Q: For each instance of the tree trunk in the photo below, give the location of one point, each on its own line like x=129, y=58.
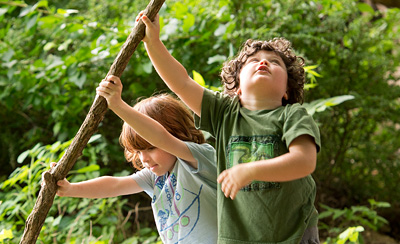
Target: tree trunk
x=96, y=113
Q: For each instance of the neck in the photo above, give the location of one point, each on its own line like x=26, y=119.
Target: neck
x=263, y=104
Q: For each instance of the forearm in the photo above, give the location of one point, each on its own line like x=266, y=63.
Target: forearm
x=102, y=187
x=299, y=162
x=153, y=132
x=169, y=69
x=145, y=126
x=286, y=167
x=175, y=76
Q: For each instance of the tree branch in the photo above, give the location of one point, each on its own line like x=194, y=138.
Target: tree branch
x=96, y=114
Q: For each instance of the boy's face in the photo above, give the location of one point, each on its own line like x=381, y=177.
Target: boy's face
x=157, y=160
x=263, y=76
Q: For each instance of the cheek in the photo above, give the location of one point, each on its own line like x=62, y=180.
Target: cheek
x=283, y=75
x=243, y=74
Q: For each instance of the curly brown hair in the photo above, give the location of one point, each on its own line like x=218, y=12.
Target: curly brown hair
x=170, y=113
x=294, y=65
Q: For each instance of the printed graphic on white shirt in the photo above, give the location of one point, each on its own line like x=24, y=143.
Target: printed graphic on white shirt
x=175, y=218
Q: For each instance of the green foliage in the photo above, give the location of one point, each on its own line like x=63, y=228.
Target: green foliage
x=5, y=235
x=70, y=220
x=360, y=216
x=351, y=235
x=52, y=59
x=144, y=236
x=320, y=105
x=54, y=53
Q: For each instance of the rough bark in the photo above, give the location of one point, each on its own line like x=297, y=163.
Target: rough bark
x=96, y=113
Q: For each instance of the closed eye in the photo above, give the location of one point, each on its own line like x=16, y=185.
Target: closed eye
x=275, y=61
x=252, y=60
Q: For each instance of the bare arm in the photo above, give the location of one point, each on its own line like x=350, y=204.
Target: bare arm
x=146, y=127
x=169, y=69
x=102, y=187
x=299, y=162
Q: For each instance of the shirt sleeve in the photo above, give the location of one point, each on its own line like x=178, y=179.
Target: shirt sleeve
x=205, y=156
x=213, y=106
x=298, y=122
x=145, y=180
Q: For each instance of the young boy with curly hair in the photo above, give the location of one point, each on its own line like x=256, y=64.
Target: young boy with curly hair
x=266, y=141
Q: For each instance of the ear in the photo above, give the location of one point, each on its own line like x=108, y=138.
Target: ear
x=238, y=92
x=286, y=96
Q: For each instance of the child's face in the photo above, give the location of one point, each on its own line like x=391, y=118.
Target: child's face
x=263, y=75
x=157, y=160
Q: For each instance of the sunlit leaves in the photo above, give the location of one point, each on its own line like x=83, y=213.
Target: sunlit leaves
x=198, y=78
x=322, y=104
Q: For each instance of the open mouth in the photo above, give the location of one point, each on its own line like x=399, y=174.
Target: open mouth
x=262, y=69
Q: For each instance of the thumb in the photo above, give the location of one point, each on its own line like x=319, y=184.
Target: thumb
x=61, y=182
x=147, y=21
x=114, y=79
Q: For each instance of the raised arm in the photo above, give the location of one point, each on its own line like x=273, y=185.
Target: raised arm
x=146, y=127
x=169, y=69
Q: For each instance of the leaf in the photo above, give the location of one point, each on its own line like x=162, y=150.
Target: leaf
x=188, y=22
x=6, y=234
x=338, y=100
x=49, y=46
x=8, y=55
x=32, y=21
x=198, y=78
x=148, y=67
x=79, y=79
x=56, y=221
x=94, y=138
x=321, y=105
x=216, y=59
x=171, y=27
x=22, y=156
x=26, y=10
x=220, y=30
x=3, y=11
x=64, y=45
x=324, y=214
x=366, y=8
x=48, y=21
x=54, y=61
x=55, y=147
x=90, y=168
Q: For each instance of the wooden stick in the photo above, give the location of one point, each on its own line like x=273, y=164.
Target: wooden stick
x=35, y=220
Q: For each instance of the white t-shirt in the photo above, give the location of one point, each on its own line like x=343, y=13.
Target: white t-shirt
x=185, y=201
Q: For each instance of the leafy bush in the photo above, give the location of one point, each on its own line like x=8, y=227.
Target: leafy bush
x=335, y=221
x=54, y=53
x=70, y=220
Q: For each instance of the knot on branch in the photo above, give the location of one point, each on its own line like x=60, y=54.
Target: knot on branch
x=49, y=181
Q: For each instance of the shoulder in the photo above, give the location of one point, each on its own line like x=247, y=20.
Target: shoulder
x=219, y=97
x=144, y=174
x=295, y=109
x=197, y=148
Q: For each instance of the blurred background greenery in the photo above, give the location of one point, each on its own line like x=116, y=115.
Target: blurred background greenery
x=54, y=53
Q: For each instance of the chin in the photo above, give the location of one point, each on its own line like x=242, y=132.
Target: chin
x=159, y=174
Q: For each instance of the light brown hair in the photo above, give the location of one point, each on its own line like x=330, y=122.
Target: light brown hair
x=294, y=65
x=171, y=113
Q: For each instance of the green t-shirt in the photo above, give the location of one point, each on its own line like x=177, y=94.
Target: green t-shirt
x=262, y=212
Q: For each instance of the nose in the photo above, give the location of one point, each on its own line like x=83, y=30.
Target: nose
x=264, y=62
